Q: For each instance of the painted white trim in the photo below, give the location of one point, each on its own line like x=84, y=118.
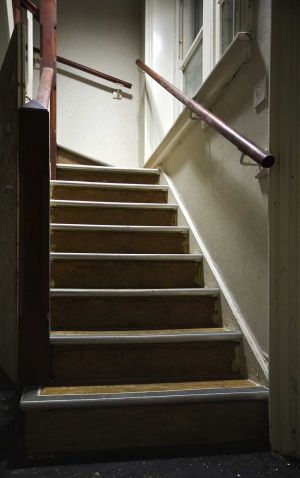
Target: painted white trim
x=236, y=55
x=29, y=63
x=194, y=46
x=257, y=351
x=10, y=17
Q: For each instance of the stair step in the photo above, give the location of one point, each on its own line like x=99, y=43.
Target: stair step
x=143, y=356
x=126, y=270
x=113, y=213
x=73, y=419
x=80, y=172
x=119, y=192
x=119, y=239
x=104, y=309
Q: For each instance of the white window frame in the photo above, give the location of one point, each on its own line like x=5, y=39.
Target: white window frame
x=210, y=35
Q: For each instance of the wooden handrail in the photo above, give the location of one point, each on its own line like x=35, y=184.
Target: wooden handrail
x=247, y=147
x=45, y=86
x=89, y=70
x=29, y=5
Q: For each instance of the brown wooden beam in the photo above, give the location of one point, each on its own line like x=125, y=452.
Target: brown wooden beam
x=34, y=283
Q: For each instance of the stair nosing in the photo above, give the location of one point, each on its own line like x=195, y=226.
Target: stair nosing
x=196, y=292
x=123, y=228
x=104, y=185
x=33, y=400
x=120, y=205
x=68, y=338
x=87, y=167
x=125, y=257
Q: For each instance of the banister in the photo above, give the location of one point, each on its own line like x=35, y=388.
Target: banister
x=32, y=8
x=246, y=146
x=89, y=70
x=45, y=85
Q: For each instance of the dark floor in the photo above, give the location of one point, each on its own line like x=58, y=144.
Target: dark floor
x=249, y=465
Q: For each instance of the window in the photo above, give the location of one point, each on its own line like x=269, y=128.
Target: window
x=191, y=44
x=226, y=23
x=205, y=29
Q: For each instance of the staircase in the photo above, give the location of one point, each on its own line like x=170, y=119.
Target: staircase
x=139, y=356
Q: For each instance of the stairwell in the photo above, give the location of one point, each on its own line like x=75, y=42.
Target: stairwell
x=139, y=354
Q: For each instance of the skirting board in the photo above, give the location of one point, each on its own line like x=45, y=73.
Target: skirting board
x=238, y=315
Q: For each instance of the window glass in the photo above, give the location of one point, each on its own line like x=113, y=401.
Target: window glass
x=197, y=17
x=193, y=72
x=227, y=23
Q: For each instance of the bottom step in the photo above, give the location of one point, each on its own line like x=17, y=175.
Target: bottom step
x=91, y=418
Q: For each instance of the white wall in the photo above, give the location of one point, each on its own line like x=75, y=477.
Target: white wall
x=228, y=205
x=159, y=55
x=105, y=35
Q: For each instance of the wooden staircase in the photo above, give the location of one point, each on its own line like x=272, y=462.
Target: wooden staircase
x=139, y=356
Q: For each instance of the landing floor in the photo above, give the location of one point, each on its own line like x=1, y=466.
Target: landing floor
x=252, y=465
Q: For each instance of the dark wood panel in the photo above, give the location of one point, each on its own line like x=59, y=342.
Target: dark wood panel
x=34, y=245
x=146, y=362
x=10, y=78
x=63, y=431
x=128, y=313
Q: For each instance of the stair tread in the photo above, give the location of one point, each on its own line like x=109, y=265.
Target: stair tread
x=143, y=336
x=85, y=167
x=134, y=394
x=146, y=387
x=113, y=205
x=107, y=185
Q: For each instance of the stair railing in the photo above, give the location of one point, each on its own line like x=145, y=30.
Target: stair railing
x=46, y=15
x=245, y=145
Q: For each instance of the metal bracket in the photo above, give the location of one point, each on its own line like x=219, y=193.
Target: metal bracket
x=117, y=94
x=193, y=116
x=262, y=173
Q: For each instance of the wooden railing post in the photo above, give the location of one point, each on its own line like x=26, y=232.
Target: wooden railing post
x=17, y=10
x=48, y=21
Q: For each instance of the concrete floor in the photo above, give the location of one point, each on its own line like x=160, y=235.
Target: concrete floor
x=251, y=465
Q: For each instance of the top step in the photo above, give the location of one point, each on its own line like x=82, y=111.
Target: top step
x=78, y=172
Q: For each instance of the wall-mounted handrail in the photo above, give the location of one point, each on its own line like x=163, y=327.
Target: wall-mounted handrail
x=89, y=70
x=247, y=147
x=32, y=8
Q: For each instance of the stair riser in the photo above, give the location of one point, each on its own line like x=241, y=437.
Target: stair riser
x=110, y=428
x=127, y=313
x=113, y=216
x=132, y=363
x=115, y=177
x=117, y=241
x=108, y=195
x=98, y=274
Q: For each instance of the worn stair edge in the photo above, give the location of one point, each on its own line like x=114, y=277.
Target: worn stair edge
x=93, y=184
x=211, y=292
x=92, y=256
x=112, y=205
x=85, y=167
x=117, y=228
x=144, y=337
x=32, y=399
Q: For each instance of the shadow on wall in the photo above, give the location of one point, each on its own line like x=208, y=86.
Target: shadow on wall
x=93, y=83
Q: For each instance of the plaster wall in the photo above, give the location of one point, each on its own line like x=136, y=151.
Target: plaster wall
x=228, y=205
x=105, y=35
x=159, y=55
